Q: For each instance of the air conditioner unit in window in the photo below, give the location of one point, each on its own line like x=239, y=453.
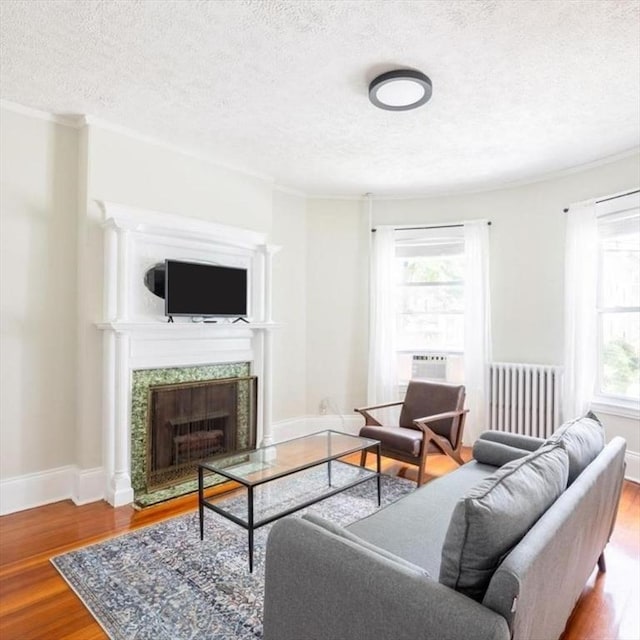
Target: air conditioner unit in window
x=429, y=366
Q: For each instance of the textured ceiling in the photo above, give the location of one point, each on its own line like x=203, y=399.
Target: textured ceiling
x=521, y=88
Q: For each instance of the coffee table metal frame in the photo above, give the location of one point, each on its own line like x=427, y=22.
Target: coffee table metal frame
x=251, y=524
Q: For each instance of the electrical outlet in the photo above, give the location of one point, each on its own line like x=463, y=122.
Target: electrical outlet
x=324, y=406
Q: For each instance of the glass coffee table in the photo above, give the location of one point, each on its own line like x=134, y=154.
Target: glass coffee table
x=266, y=472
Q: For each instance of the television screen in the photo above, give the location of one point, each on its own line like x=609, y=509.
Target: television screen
x=198, y=289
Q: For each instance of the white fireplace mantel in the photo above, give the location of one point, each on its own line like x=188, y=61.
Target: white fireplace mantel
x=136, y=334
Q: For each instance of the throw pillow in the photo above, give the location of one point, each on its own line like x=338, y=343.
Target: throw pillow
x=583, y=438
x=496, y=453
x=530, y=443
x=496, y=514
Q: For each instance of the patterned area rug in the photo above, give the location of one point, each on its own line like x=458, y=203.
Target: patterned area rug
x=163, y=583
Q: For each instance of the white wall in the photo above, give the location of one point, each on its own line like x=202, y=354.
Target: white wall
x=37, y=294
x=289, y=231
x=337, y=307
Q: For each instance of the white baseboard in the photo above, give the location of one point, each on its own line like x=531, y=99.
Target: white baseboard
x=35, y=489
x=53, y=485
x=632, y=472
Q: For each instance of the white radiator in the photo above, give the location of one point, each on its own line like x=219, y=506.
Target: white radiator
x=524, y=398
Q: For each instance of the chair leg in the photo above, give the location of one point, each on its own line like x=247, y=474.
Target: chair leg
x=363, y=458
x=602, y=565
x=421, y=474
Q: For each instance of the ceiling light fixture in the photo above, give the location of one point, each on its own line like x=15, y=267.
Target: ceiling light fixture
x=400, y=90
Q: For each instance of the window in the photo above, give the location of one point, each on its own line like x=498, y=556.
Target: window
x=618, y=374
x=429, y=277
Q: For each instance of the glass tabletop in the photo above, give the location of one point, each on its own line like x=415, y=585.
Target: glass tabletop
x=267, y=463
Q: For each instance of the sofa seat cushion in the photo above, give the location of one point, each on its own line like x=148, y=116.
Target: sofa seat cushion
x=415, y=526
x=492, y=517
x=405, y=441
x=583, y=438
x=337, y=530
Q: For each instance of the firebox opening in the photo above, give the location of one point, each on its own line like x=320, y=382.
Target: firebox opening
x=192, y=422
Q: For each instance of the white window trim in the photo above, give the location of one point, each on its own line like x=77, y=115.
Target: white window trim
x=616, y=406
x=610, y=404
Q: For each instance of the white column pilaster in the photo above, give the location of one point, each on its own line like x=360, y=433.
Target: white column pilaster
x=120, y=491
x=124, y=259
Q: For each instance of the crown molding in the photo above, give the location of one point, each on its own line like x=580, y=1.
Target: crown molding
x=289, y=191
x=72, y=121
x=500, y=186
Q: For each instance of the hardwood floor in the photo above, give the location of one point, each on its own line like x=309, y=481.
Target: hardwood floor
x=36, y=603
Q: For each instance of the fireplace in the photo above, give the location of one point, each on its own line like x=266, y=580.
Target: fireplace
x=140, y=350
x=194, y=421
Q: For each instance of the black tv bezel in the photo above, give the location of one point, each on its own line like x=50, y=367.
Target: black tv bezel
x=203, y=315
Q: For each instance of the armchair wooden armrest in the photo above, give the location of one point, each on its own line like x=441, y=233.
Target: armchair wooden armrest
x=370, y=421
x=441, y=416
x=442, y=442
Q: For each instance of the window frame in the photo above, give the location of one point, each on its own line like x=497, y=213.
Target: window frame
x=612, y=403
x=404, y=284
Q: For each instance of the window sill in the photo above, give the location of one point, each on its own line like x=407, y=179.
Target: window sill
x=616, y=407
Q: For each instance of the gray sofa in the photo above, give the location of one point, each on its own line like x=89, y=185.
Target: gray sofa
x=398, y=574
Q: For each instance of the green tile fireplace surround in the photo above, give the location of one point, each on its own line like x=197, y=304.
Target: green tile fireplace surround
x=142, y=382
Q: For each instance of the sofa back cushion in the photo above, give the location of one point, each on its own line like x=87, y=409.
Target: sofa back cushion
x=492, y=517
x=583, y=439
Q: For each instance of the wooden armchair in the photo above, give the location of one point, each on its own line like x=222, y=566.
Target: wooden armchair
x=431, y=420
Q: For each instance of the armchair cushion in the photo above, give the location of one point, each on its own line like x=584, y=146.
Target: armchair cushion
x=492, y=517
x=405, y=441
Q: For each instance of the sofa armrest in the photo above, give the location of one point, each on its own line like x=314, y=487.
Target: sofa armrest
x=529, y=443
x=319, y=585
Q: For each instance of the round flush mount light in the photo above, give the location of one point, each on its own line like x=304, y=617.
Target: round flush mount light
x=400, y=90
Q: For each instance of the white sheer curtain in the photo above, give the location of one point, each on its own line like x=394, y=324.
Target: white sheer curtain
x=477, y=325
x=383, y=383
x=580, y=325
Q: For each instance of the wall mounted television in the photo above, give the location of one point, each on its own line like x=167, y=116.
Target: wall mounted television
x=199, y=289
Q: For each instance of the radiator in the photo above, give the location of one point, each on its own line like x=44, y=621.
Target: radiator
x=524, y=398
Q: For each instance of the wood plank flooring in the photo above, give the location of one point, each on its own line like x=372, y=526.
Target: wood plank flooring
x=36, y=603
